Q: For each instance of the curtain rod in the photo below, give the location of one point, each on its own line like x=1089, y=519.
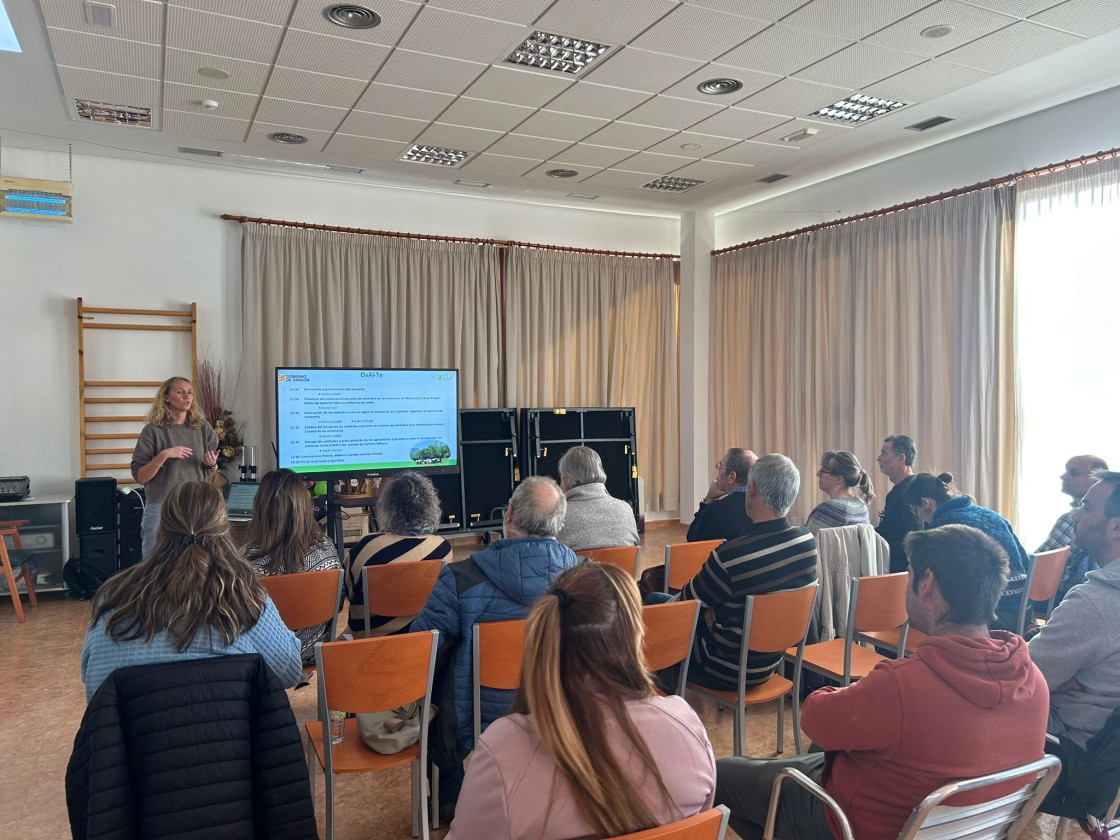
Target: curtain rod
x=920, y=202
x=501, y=243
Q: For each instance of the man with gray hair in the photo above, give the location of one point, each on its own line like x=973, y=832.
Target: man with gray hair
x=769, y=556
x=499, y=583
x=595, y=519
x=1076, y=481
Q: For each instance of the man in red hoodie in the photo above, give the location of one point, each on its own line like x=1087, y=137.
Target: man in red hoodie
x=967, y=703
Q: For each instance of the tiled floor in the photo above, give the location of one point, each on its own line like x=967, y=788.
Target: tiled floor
x=42, y=700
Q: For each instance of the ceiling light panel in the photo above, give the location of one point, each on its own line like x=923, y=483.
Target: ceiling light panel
x=783, y=51
x=109, y=87
x=752, y=81
x=969, y=23
x=428, y=72
x=349, y=147
x=204, y=125
x=301, y=86
x=793, y=97
x=188, y=29
x=594, y=100
x=560, y=126
x=738, y=123
x=111, y=114
x=107, y=55
x=491, y=164
x=851, y=20
x=404, y=102
x=331, y=56
x=753, y=153
x=237, y=106
x=858, y=66
x=669, y=112
x=695, y=32
x=672, y=184
x=622, y=135
x=518, y=87
x=144, y=21
x=443, y=32
x=434, y=156
x=858, y=109
x=928, y=81
x=617, y=22
x=364, y=124
x=300, y=114
x=481, y=113
x=1083, y=17
x=1018, y=44
x=396, y=16
x=557, y=53
x=182, y=66
x=643, y=70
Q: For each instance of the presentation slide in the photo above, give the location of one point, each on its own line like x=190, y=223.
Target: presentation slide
x=351, y=421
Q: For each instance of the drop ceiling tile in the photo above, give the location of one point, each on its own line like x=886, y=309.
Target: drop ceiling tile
x=614, y=23
x=654, y=163
x=1018, y=8
x=708, y=144
x=522, y=12
x=258, y=135
x=538, y=148
x=318, y=88
x=428, y=72
x=642, y=70
x=110, y=88
x=266, y=11
x=622, y=135
x=738, y=123
x=597, y=100
x=794, y=97
x=204, y=126
x=186, y=98
x=783, y=51
x=752, y=80
x=670, y=112
x=492, y=164
x=348, y=147
x=859, y=65
x=107, y=55
x=587, y=154
x=1020, y=43
x=696, y=32
x=299, y=115
x=618, y=178
x=926, y=82
x=711, y=170
x=1083, y=17
x=824, y=132
x=220, y=35
x=560, y=126
x=480, y=113
x=581, y=173
x=332, y=56
x=771, y=10
x=457, y=137
x=968, y=22
x=851, y=20
x=396, y=15
x=404, y=102
x=399, y=129
x=519, y=87
x=751, y=152
x=447, y=33
x=135, y=20
x=182, y=67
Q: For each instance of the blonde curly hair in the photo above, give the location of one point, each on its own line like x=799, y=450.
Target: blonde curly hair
x=160, y=415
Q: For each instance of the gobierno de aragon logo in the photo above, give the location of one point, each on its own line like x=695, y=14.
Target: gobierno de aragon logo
x=293, y=377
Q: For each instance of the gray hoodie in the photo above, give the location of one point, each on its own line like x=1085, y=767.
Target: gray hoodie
x=1081, y=642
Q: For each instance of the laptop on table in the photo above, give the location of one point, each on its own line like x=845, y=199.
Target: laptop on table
x=239, y=505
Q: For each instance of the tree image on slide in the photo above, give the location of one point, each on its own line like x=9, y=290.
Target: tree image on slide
x=430, y=452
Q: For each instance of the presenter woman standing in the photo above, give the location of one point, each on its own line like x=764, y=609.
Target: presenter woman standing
x=176, y=445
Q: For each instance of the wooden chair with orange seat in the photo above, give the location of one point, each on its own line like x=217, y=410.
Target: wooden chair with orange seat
x=626, y=557
x=707, y=825
x=683, y=562
x=17, y=557
x=307, y=599
x=397, y=589
x=1044, y=576
x=670, y=634
x=373, y=675
x=771, y=624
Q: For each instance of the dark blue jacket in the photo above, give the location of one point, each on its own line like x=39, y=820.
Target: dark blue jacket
x=961, y=510
x=497, y=584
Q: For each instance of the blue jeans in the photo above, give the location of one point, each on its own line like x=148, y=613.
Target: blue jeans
x=148, y=526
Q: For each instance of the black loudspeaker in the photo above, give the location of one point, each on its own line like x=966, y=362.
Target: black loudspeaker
x=130, y=513
x=488, y=458
x=95, y=505
x=449, y=487
x=99, y=551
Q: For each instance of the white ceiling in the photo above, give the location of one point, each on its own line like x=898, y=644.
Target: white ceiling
x=434, y=73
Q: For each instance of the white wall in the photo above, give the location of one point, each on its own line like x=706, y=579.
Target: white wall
x=148, y=236
x=1077, y=128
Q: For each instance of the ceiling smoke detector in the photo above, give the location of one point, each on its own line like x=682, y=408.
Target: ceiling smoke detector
x=719, y=87
x=939, y=31
x=287, y=138
x=349, y=16
x=213, y=72
x=561, y=173
x=420, y=153
x=556, y=52
x=669, y=183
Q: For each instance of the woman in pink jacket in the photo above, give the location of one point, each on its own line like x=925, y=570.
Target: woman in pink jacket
x=588, y=750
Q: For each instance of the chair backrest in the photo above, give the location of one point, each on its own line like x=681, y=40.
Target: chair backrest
x=707, y=825
x=498, y=648
x=669, y=633
x=10, y=528
x=1004, y=816
x=683, y=561
x=306, y=599
x=623, y=556
x=395, y=589
x=778, y=621
x=877, y=602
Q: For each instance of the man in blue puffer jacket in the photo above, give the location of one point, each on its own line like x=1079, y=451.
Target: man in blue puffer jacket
x=496, y=584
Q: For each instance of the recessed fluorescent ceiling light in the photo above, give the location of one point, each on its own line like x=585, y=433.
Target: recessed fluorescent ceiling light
x=858, y=108
x=8, y=41
x=667, y=183
x=350, y=16
x=103, y=112
x=556, y=52
x=432, y=154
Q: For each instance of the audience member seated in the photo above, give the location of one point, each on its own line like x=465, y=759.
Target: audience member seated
x=589, y=749
x=769, y=556
x=896, y=520
x=1078, y=649
x=722, y=513
x=284, y=538
x=937, y=502
x=408, y=513
x=849, y=491
x=594, y=518
x=1076, y=481
x=192, y=597
x=967, y=703
x=500, y=582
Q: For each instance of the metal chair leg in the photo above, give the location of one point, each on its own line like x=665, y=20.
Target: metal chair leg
x=781, y=725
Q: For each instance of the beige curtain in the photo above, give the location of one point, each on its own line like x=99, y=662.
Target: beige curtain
x=898, y=324
x=585, y=330
x=322, y=298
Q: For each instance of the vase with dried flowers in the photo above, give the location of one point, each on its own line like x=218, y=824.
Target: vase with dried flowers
x=212, y=400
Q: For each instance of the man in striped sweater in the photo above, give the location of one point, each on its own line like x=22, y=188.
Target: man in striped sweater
x=769, y=556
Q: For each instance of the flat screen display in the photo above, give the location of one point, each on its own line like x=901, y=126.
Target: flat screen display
x=365, y=422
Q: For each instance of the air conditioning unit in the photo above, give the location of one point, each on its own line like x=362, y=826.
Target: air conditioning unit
x=36, y=199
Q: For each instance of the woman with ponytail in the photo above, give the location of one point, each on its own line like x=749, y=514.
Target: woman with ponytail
x=192, y=597
x=849, y=491
x=589, y=749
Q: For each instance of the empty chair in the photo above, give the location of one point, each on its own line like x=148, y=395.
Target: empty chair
x=709, y=825
x=17, y=557
x=1044, y=576
x=498, y=650
x=398, y=589
x=625, y=557
x=670, y=633
x=307, y=599
x=684, y=560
